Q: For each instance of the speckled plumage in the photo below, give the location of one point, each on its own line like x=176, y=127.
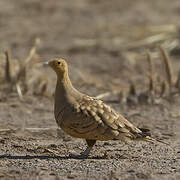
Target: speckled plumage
x=90, y=118
x=85, y=117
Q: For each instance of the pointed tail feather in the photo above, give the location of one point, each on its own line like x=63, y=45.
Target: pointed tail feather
x=150, y=139
x=146, y=136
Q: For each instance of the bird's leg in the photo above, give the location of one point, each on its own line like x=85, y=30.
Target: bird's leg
x=90, y=144
x=85, y=153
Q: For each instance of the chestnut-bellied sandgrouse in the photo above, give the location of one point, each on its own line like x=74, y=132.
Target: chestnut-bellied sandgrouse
x=82, y=116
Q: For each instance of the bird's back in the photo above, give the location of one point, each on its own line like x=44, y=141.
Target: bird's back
x=90, y=118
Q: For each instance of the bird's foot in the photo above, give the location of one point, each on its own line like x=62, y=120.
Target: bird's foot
x=83, y=155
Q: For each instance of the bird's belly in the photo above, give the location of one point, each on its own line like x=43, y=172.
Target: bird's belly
x=65, y=125
x=92, y=134
x=75, y=132
x=78, y=129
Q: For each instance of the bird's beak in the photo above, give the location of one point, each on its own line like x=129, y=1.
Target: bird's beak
x=46, y=63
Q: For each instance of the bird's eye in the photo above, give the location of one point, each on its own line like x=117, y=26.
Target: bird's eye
x=58, y=62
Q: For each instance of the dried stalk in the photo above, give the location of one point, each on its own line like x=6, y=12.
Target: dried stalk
x=164, y=88
x=132, y=89
x=43, y=88
x=32, y=52
x=22, y=72
x=100, y=96
x=147, y=41
x=123, y=97
x=178, y=81
x=7, y=67
x=168, y=66
x=151, y=73
x=107, y=94
x=19, y=91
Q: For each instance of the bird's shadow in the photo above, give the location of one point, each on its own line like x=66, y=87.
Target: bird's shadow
x=41, y=157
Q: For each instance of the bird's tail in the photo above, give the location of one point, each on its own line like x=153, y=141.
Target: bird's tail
x=146, y=136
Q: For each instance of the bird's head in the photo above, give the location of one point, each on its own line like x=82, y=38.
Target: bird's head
x=58, y=65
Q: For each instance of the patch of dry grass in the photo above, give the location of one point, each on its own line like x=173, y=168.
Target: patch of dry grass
x=23, y=77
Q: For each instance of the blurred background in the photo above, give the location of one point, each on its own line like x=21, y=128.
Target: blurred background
x=98, y=36
x=62, y=24
x=122, y=51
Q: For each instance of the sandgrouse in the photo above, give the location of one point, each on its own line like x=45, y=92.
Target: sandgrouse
x=85, y=117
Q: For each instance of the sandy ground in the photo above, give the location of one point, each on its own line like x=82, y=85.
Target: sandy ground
x=69, y=29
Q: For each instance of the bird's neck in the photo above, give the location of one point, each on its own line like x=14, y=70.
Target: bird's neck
x=65, y=92
x=63, y=83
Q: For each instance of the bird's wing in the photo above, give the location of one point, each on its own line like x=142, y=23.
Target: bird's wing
x=96, y=120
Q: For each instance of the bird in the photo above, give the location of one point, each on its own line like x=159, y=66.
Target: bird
x=85, y=117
